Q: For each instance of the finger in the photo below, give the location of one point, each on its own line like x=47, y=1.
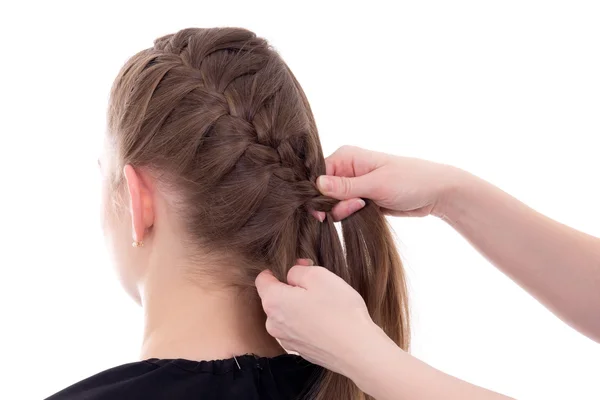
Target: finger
x=266, y=283
x=343, y=188
x=319, y=215
x=353, y=161
x=307, y=262
x=345, y=208
x=341, y=162
x=299, y=276
x=287, y=345
x=273, y=329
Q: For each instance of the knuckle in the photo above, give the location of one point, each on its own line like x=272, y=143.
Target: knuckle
x=270, y=306
x=272, y=328
x=346, y=148
x=345, y=185
x=341, y=152
x=277, y=318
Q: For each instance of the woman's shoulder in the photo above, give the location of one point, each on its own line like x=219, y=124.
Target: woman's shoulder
x=248, y=376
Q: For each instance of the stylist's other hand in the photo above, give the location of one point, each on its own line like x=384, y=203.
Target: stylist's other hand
x=401, y=186
x=317, y=314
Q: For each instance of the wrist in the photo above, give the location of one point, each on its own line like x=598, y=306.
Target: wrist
x=452, y=199
x=357, y=347
x=371, y=346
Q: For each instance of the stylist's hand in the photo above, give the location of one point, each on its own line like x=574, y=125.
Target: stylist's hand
x=326, y=321
x=317, y=315
x=401, y=186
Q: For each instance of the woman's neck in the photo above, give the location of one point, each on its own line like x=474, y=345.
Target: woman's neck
x=183, y=320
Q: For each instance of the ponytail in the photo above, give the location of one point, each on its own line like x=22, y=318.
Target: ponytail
x=370, y=263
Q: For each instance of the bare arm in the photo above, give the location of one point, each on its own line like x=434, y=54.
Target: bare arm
x=558, y=265
x=386, y=372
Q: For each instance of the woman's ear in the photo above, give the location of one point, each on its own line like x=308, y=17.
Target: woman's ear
x=141, y=204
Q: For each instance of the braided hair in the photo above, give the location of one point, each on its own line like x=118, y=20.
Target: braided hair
x=219, y=117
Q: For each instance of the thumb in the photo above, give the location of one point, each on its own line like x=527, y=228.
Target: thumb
x=266, y=282
x=342, y=187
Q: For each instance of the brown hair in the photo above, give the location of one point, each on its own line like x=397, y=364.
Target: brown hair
x=222, y=120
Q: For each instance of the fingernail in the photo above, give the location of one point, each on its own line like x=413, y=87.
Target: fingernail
x=321, y=216
x=357, y=205
x=324, y=184
x=310, y=262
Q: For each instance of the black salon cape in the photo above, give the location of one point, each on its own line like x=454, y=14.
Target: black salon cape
x=282, y=377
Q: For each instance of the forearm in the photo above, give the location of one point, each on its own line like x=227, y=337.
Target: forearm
x=557, y=264
x=383, y=370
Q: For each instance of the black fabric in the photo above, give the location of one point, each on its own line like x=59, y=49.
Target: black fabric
x=257, y=378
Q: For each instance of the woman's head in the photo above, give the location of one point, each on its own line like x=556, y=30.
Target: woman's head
x=217, y=124
x=212, y=150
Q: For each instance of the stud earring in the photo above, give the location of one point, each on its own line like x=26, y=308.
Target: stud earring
x=138, y=244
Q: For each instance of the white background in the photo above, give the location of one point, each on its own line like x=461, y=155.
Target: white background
x=508, y=90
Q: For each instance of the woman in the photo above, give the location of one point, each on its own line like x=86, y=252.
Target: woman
x=210, y=169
